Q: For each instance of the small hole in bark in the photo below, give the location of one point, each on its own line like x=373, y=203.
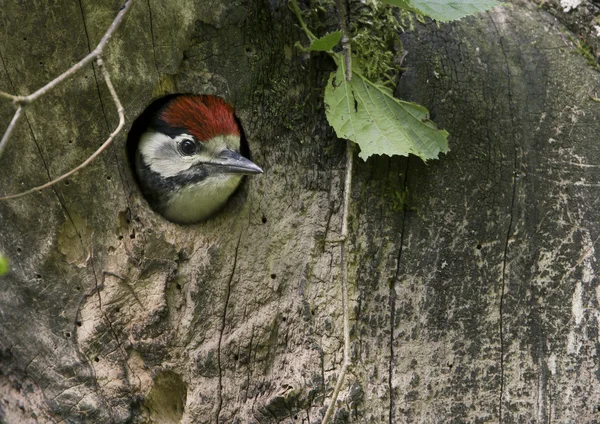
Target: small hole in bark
x=479, y=247
x=117, y=310
x=41, y=63
x=295, y=417
x=78, y=323
x=284, y=319
x=24, y=38
x=108, y=177
x=70, y=141
x=97, y=359
x=19, y=250
x=77, y=288
x=120, y=237
x=273, y=276
x=38, y=276
x=86, y=77
x=68, y=335
x=598, y=408
x=264, y=219
x=178, y=286
x=67, y=182
x=236, y=357
x=132, y=235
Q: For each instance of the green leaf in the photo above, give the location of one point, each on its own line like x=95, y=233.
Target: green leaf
x=446, y=10
x=380, y=124
x=3, y=264
x=325, y=43
x=402, y=4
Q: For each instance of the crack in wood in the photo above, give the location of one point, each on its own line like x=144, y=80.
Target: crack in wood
x=222, y=331
x=511, y=219
x=152, y=38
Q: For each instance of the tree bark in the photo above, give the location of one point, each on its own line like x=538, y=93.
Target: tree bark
x=472, y=279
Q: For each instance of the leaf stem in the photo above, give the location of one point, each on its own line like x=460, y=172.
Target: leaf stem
x=296, y=9
x=346, y=46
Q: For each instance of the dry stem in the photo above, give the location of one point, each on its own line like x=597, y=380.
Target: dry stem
x=23, y=101
x=344, y=235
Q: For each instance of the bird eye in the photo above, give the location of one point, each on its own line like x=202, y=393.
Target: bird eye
x=187, y=147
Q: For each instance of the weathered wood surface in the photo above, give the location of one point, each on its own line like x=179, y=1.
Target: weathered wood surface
x=474, y=295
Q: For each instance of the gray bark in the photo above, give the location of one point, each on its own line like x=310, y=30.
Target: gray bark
x=473, y=289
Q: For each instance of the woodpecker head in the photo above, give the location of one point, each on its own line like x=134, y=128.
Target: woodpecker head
x=188, y=160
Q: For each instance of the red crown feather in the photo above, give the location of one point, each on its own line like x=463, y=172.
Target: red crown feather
x=204, y=116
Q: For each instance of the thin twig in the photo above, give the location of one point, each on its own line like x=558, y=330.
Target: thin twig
x=23, y=101
x=83, y=62
x=9, y=96
x=347, y=186
x=344, y=236
x=94, y=155
x=11, y=127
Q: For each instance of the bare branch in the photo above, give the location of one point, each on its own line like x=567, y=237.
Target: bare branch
x=104, y=146
x=9, y=96
x=22, y=101
x=11, y=127
x=83, y=62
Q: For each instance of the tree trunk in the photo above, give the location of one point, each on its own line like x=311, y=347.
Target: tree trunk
x=473, y=289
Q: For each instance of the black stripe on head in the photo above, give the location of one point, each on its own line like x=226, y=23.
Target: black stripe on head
x=148, y=120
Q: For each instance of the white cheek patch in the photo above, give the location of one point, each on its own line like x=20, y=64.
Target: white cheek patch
x=159, y=152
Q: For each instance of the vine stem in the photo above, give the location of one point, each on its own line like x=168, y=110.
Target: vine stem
x=23, y=101
x=347, y=187
x=346, y=363
x=347, y=63
x=345, y=39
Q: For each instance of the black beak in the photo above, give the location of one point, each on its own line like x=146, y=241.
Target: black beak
x=230, y=162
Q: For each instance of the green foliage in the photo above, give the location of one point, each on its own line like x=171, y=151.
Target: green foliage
x=325, y=43
x=446, y=10
x=3, y=264
x=363, y=109
x=376, y=44
x=369, y=115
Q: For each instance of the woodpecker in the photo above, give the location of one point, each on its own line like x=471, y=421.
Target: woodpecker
x=187, y=160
